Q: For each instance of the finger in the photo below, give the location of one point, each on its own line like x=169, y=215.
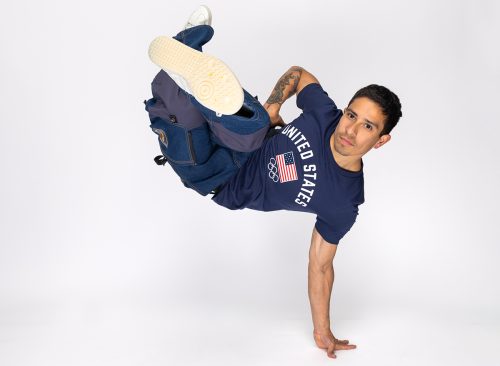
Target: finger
x=331, y=351
x=345, y=341
x=344, y=346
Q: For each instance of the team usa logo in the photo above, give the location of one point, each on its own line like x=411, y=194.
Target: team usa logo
x=282, y=168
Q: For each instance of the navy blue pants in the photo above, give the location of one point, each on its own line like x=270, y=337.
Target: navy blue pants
x=204, y=149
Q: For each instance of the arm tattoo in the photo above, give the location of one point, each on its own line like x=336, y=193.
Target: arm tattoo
x=279, y=95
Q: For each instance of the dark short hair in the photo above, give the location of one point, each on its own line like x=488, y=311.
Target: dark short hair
x=388, y=102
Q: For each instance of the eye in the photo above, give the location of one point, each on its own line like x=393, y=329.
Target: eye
x=369, y=126
x=350, y=115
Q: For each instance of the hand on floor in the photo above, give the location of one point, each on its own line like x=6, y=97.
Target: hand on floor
x=326, y=340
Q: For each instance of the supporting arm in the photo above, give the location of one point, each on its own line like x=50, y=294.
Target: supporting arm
x=320, y=283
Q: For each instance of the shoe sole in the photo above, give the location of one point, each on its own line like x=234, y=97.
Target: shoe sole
x=212, y=83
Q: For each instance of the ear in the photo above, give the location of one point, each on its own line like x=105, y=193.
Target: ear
x=382, y=141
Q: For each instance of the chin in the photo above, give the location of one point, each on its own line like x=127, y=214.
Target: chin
x=342, y=151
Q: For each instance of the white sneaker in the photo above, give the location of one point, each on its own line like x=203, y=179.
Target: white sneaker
x=208, y=79
x=201, y=16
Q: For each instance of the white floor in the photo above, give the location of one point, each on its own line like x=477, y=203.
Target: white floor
x=92, y=331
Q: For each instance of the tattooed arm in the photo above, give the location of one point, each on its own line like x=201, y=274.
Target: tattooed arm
x=292, y=82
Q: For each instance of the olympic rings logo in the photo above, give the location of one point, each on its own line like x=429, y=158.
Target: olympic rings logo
x=273, y=170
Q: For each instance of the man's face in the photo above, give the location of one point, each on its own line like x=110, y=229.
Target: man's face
x=359, y=128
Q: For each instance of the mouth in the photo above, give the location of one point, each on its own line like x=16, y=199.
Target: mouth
x=345, y=141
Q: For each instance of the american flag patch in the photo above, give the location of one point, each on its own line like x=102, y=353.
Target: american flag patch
x=286, y=167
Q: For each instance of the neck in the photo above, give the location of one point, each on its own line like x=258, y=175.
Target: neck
x=351, y=163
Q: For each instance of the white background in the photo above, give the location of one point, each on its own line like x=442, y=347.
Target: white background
x=106, y=259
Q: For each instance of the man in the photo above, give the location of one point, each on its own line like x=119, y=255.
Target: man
x=313, y=164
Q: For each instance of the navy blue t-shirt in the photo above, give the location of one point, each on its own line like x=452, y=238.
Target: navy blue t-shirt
x=295, y=170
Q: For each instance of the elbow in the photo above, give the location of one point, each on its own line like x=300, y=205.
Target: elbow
x=296, y=69
x=321, y=268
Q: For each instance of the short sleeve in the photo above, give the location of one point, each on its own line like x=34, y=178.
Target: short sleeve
x=313, y=97
x=334, y=229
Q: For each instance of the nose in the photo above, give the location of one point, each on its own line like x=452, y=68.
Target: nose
x=352, y=129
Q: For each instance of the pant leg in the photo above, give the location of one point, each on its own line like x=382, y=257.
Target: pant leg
x=243, y=131
x=185, y=138
x=195, y=37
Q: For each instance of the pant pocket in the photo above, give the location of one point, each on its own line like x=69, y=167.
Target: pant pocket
x=175, y=142
x=182, y=146
x=201, y=144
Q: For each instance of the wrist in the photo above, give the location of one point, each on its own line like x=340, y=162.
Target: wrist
x=272, y=109
x=323, y=329
x=323, y=339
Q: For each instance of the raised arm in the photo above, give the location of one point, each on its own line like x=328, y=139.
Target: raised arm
x=292, y=82
x=320, y=282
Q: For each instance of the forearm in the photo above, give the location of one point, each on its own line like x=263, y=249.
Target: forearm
x=285, y=88
x=320, y=290
x=292, y=82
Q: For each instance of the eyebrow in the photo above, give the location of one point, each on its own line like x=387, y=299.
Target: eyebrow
x=370, y=122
